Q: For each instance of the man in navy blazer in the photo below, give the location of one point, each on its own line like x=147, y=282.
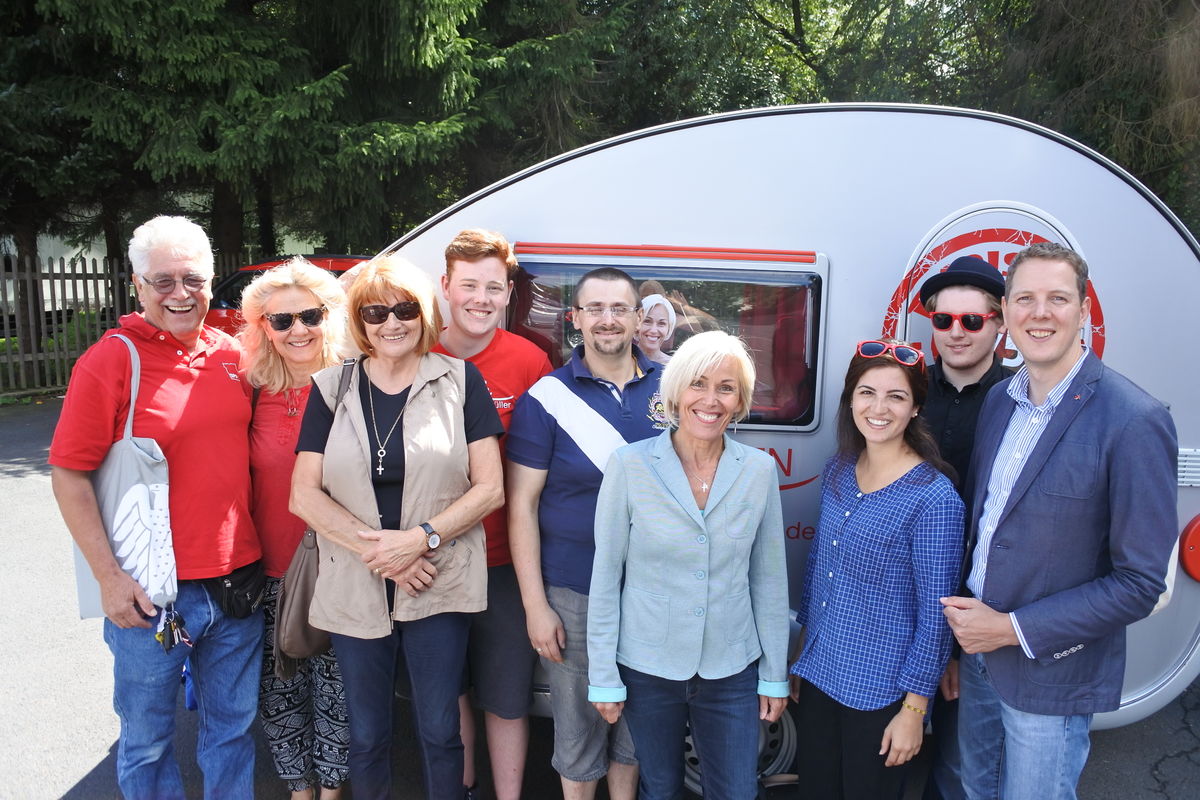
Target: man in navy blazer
x=1072, y=490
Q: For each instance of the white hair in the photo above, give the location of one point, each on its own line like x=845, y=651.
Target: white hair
x=696, y=357
x=652, y=300
x=179, y=237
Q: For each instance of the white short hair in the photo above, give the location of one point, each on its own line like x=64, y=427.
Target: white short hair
x=178, y=236
x=697, y=356
x=652, y=300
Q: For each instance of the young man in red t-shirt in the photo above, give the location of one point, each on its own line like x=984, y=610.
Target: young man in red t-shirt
x=477, y=285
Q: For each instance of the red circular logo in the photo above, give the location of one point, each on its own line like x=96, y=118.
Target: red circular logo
x=997, y=246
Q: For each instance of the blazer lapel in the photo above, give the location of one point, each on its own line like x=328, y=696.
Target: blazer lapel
x=667, y=466
x=1073, y=401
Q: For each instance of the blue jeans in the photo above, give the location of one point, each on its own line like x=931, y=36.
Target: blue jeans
x=723, y=714
x=1012, y=755
x=225, y=663
x=435, y=651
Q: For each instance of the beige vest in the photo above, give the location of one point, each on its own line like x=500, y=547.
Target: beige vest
x=349, y=599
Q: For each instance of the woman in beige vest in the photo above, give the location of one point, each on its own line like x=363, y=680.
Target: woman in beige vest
x=394, y=476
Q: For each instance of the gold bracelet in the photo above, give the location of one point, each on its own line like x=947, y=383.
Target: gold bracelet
x=911, y=707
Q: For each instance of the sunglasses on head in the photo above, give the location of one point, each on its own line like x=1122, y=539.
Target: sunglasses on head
x=970, y=322
x=309, y=317
x=378, y=314
x=904, y=354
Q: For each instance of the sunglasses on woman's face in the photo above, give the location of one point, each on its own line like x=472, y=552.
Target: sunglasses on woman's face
x=309, y=317
x=377, y=315
x=908, y=356
x=970, y=322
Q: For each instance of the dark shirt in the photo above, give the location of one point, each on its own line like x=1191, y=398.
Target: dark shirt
x=952, y=414
x=479, y=416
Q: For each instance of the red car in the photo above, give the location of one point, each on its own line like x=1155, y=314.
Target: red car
x=224, y=312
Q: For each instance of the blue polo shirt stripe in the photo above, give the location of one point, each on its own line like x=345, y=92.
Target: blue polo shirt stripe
x=592, y=433
x=568, y=424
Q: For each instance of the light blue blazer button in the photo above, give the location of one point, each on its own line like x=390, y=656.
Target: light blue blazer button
x=702, y=538
x=700, y=575
x=699, y=612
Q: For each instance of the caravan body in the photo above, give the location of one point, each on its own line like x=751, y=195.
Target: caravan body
x=807, y=229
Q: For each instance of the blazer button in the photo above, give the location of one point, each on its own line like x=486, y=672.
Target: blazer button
x=700, y=575
x=702, y=538
x=699, y=612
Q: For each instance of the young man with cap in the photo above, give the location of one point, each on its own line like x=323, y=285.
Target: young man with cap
x=963, y=303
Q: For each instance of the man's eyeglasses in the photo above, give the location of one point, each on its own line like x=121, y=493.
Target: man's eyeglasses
x=908, y=356
x=165, y=285
x=377, y=315
x=309, y=317
x=942, y=321
x=597, y=312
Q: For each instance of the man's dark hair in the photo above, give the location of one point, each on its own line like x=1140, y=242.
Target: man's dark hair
x=604, y=274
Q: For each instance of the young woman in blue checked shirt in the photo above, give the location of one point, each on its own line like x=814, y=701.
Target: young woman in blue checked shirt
x=888, y=546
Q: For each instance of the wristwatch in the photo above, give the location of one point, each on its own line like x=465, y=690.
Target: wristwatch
x=432, y=537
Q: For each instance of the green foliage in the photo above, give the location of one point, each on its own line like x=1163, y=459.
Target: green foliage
x=352, y=121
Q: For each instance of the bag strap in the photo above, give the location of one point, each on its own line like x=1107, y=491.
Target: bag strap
x=135, y=380
x=344, y=380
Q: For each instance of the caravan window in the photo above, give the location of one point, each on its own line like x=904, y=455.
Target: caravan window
x=775, y=312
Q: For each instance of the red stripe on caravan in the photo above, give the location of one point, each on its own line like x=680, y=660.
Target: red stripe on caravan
x=665, y=251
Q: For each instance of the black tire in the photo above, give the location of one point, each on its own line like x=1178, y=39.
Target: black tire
x=776, y=751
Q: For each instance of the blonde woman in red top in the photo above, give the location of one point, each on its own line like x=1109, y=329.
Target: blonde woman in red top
x=294, y=322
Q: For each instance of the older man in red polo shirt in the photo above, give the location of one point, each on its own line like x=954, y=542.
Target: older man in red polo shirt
x=192, y=401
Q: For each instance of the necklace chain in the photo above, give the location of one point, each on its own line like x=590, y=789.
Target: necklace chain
x=704, y=485
x=292, y=398
x=382, y=451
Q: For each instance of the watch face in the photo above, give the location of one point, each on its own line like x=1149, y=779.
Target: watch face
x=433, y=540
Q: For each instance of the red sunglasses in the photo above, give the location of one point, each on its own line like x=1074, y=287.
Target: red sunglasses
x=902, y=353
x=942, y=321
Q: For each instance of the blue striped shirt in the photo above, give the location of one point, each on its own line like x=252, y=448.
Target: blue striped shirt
x=1025, y=427
x=874, y=627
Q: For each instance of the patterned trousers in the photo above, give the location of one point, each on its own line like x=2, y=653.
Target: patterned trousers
x=304, y=718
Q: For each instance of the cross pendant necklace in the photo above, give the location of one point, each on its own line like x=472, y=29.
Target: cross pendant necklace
x=382, y=451
x=703, y=483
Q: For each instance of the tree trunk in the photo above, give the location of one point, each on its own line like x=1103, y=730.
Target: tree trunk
x=30, y=307
x=227, y=223
x=114, y=251
x=265, y=203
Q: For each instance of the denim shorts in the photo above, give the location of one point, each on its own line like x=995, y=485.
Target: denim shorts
x=499, y=657
x=584, y=743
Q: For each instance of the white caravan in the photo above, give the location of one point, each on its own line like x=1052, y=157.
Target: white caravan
x=806, y=229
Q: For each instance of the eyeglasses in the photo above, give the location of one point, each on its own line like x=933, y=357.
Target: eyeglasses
x=908, y=356
x=377, y=315
x=942, y=321
x=310, y=317
x=599, y=311
x=165, y=285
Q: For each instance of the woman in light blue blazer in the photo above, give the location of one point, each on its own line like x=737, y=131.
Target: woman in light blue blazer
x=688, y=608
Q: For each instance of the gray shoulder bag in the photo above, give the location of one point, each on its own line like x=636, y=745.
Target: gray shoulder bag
x=131, y=490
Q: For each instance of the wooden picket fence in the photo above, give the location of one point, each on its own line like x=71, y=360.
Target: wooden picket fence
x=52, y=310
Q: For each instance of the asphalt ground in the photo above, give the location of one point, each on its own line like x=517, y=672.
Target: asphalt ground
x=58, y=731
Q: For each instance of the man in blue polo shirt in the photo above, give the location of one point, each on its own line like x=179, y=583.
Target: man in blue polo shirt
x=563, y=431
